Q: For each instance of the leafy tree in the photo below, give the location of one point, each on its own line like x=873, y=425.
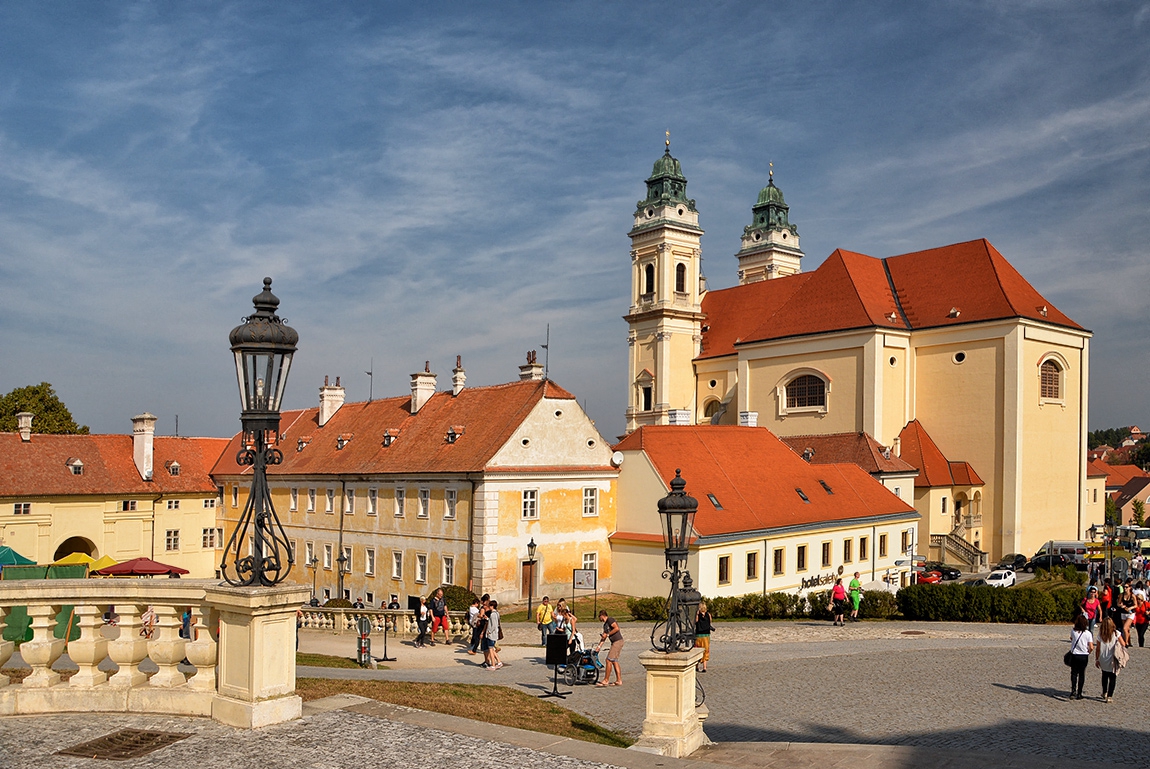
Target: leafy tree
x=1113, y=516
x=1138, y=516
x=52, y=417
x=1140, y=455
x=1111, y=436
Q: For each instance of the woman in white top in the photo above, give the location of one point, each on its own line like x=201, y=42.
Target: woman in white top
x=1105, y=654
x=1081, y=644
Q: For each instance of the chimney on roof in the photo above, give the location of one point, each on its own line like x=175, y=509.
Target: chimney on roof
x=458, y=376
x=143, y=437
x=679, y=417
x=422, y=387
x=330, y=399
x=896, y=446
x=748, y=419
x=24, y=425
x=808, y=453
x=532, y=369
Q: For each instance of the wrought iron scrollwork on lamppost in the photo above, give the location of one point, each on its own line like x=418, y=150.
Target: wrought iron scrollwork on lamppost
x=263, y=346
x=677, y=510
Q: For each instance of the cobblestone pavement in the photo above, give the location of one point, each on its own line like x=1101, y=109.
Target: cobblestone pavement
x=949, y=686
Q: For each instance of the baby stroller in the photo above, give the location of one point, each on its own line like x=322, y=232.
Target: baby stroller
x=583, y=667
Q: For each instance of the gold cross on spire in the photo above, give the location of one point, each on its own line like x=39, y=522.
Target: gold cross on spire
x=668, y=140
x=771, y=173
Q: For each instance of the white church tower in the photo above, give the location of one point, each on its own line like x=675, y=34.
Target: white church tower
x=770, y=246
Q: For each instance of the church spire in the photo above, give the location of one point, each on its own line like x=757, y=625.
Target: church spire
x=666, y=185
x=770, y=247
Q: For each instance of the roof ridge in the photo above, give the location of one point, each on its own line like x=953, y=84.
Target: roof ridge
x=987, y=248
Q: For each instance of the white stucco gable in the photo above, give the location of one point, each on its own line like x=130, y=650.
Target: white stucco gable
x=557, y=432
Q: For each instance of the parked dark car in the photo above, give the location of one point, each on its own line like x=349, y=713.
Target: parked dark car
x=1012, y=561
x=1047, y=561
x=947, y=572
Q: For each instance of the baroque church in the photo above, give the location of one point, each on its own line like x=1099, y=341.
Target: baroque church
x=946, y=358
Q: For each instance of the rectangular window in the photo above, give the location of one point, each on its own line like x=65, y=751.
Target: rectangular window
x=424, y=503
x=327, y=556
x=864, y=548
x=25, y=508
x=530, y=503
x=346, y=560
x=236, y=495
x=724, y=569
x=311, y=500
x=326, y=594
x=421, y=568
x=172, y=540
x=944, y=505
x=590, y=560
x=210, y=542
x=1096, y=496
x=848, y=550
x=779, y=560
x=448, y=570
x=396, y=565
x=128, y=505
x=209, y=504
x=801, y=558
x=293, y=500
x=309, y=554
x=450, y=499
x=220, y=494
x=349, y=502
x=346, y=594
x=329, y=504
x=370, y=598
x=590, y=502
x=753, y=565
x=173, y=504
x=372, y=501
x=369, y=561
x=647, y=399
x=400, y=501
x=882, y=545
x=906, y=541
x=898, y=491
x=826, y=554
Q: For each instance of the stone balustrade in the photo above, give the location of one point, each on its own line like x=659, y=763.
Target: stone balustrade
x=237, y=666
x=400, y=622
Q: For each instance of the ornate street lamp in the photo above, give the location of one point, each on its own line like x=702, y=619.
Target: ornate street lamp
x=313, y=564
x=263, y=346
x=677, y=511
x=342, y=561
x=531, y=575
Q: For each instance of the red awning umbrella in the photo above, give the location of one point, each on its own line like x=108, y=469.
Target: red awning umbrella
x=140, y=567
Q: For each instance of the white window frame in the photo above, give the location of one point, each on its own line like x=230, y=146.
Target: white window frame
x=329, y=502
x=450, y=503
x=400, y=501
x=311, y=500
x=372, y=501
x=591, y=560
x=309, y=553
x=210, y=504
x=397, y=564
x=293, y=503
x=173, y=504
x=590, y=501
x=529, y=508
x=172, y=541
x=369, y=561
x=349, y=502
x=421, y=568
x=208, y=541
x=327, y=555
x=425, y=503
x=1063, y=368
x=22, y=508
x=449, y=570
x=791, y=376
x=347, y=566
x=369, y=598
x=235, y=495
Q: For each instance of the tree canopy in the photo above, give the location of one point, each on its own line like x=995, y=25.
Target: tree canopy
x=50, y=415
x=1111, y=436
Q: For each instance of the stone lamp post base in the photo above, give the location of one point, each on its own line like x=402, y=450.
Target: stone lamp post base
x=673, y=726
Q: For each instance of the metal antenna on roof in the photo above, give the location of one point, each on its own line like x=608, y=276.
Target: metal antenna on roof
x=547, y=352
x=370, y=379
x=177, y=425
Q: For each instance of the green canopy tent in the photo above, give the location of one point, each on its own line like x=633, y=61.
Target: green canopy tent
x=9, y=557
x=18, y=625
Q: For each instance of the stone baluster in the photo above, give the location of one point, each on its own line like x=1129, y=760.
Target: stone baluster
x=166, y=648
x=90, y=649
x=44, y=649
x=6, y=647
x=201, y=652
x=130, y=648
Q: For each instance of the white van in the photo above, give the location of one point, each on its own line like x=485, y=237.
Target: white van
x=1074, y=550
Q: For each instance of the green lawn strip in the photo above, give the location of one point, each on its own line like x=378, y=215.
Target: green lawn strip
x=490, y=704
x=324, y=661
x=585, y=608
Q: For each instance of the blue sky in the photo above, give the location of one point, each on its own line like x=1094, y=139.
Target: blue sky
x=427, y=183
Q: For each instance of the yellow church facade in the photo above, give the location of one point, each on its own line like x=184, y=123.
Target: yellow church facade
x=952, y=337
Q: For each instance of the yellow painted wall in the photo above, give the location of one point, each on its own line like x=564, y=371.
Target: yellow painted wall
x=894, y=392
x=723, y=373
x=844, y=412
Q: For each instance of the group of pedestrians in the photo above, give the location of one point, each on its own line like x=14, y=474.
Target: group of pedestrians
x=840, y=596
x=1114, y=610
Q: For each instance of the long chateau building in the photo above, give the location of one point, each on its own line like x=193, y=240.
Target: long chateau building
x=949, y=349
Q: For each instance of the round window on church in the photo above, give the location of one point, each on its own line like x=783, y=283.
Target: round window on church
x=758, y=236
x=959, y=357
x=680, y=212
x=650, y=212
x=893, y=361
x=784, y=236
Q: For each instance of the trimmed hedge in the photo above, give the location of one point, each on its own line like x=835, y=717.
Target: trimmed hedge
x=653, y=609
x=982, y=603
x=458, y=597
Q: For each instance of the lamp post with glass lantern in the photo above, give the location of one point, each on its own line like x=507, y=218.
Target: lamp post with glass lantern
x=312, y=564
x=263, y=346
x=342, y=561
x=530, y=575
x=677, y=511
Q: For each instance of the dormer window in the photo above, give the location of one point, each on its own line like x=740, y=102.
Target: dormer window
x=454, y=432
x=172, y=467
x=342, y=441
x=389, y=437
x=75, y=465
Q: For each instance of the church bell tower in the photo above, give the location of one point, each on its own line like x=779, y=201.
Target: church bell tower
x=770, y=247
x=667, y=287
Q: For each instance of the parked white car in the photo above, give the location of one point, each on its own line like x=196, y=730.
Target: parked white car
x=1001, y=578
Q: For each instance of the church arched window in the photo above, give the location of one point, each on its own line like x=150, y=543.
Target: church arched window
x=1050, y=375
x=681, y=278
x=649, y=279
x=806, y=391
x=711, y=408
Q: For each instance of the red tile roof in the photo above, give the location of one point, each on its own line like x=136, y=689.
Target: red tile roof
x=1096, y=469
x=488, y=416
x=859, y=448
x=1119, y=475
x=754, y=477
x=920, y=450
x=37, y=468
x=852, y=291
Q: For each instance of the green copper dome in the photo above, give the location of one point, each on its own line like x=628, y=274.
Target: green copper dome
x=771, y=194
x=770, y=212
x=667, y=185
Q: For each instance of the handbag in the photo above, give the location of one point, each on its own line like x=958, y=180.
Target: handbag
x=1068, y=658
x=500, y=632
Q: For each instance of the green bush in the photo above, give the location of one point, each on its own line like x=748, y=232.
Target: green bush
x=1067, y=602
x=877, y=605
x=1072, y=575
x=337, y=603
x=977, y=603
x=725, y=607
x=648, y=608
x=817, y=605
x=458, y=597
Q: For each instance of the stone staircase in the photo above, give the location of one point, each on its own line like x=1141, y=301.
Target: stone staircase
x=952, y=547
